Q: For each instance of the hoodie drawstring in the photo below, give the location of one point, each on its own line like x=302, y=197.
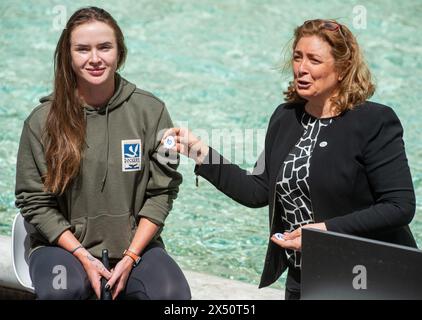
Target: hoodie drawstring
x=107, y=151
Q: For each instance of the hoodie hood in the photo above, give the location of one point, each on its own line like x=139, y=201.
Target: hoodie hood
x=123, y=91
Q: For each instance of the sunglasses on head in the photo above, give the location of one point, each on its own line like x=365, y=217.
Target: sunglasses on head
x=331, y=26
x=326, y=24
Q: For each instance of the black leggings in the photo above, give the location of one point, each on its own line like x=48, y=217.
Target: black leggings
x=157, y=277
x=293, y=284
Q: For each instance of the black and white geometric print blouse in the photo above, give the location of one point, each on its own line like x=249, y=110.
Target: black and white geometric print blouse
x=292, y=188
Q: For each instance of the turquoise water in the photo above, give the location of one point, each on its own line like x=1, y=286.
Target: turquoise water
x=214, y=64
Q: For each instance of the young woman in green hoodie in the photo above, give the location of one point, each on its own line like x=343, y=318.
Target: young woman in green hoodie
x=89, y=176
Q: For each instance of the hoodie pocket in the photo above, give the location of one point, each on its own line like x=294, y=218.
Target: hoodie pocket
x=79, y=226
x=109, y=231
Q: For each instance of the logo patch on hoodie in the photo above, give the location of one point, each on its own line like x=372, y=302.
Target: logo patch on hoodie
x=131, y=155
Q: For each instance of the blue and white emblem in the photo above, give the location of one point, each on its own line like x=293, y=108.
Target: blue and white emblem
x=131, y=155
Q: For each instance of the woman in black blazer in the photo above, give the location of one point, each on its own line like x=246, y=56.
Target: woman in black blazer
x=332, y=160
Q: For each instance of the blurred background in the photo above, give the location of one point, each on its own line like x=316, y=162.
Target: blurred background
x=216, y=64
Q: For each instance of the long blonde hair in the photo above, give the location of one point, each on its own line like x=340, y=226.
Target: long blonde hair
x=65, y=128
x=356, y=85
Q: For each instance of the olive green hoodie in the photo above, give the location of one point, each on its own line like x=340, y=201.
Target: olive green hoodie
x=121, y=178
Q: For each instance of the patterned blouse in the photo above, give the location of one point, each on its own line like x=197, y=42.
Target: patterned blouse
x=292, y=188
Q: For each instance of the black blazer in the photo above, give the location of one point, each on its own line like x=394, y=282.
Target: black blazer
x=360, y=182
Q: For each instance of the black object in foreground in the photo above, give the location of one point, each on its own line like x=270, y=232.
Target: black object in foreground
x=338, y=266
x=105, y=294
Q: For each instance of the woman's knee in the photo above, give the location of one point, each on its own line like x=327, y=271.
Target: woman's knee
x=77, y=291
x=159, y=277
x=171, y=289
x=179, y=293
x=57, y=275
x=175, y=291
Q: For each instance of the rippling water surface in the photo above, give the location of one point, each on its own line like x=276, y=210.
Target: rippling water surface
x=214, y=64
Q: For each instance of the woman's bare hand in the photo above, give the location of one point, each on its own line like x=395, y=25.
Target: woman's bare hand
x=187, y=144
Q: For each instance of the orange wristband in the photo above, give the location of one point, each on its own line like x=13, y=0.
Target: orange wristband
x=136, y=259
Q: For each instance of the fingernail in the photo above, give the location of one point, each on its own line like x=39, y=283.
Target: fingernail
x=107, y=287
x=278, y=236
